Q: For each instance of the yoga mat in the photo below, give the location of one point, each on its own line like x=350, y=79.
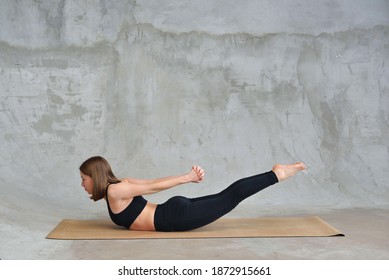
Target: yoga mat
x=223, y=228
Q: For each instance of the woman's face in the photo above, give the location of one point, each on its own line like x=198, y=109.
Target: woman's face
x=87, y=183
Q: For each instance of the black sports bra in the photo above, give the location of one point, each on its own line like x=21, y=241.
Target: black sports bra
x=126, y=217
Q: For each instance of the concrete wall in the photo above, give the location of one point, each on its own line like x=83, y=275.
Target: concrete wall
x=156, y=86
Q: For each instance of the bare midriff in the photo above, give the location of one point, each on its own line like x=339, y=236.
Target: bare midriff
x=145, y=220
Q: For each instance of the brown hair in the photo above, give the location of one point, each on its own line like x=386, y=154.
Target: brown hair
x=99, y=169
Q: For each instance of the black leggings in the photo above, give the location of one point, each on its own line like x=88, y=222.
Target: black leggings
x=181, y=213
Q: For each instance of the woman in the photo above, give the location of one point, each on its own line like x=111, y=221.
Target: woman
x=128, y=208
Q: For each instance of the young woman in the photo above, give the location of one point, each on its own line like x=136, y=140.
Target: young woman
x=128, y=208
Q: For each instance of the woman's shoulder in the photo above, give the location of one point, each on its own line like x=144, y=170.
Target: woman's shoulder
x=118, y=190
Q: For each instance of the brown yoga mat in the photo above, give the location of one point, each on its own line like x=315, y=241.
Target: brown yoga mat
x=222, y=228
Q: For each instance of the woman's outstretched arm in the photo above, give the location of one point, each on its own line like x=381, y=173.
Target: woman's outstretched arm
x=131, y=187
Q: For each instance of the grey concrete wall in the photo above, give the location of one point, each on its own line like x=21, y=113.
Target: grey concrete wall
x=156, y=86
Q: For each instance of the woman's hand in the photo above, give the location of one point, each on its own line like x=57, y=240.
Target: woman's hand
x=196, y=175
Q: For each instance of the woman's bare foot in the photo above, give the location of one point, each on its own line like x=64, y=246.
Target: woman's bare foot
x=285, y=171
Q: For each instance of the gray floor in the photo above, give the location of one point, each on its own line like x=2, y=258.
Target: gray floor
x=366, y=237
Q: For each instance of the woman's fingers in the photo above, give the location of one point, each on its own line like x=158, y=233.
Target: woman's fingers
x=199, y=172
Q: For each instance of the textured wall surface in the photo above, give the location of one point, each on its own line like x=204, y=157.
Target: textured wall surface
x=156, y=86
